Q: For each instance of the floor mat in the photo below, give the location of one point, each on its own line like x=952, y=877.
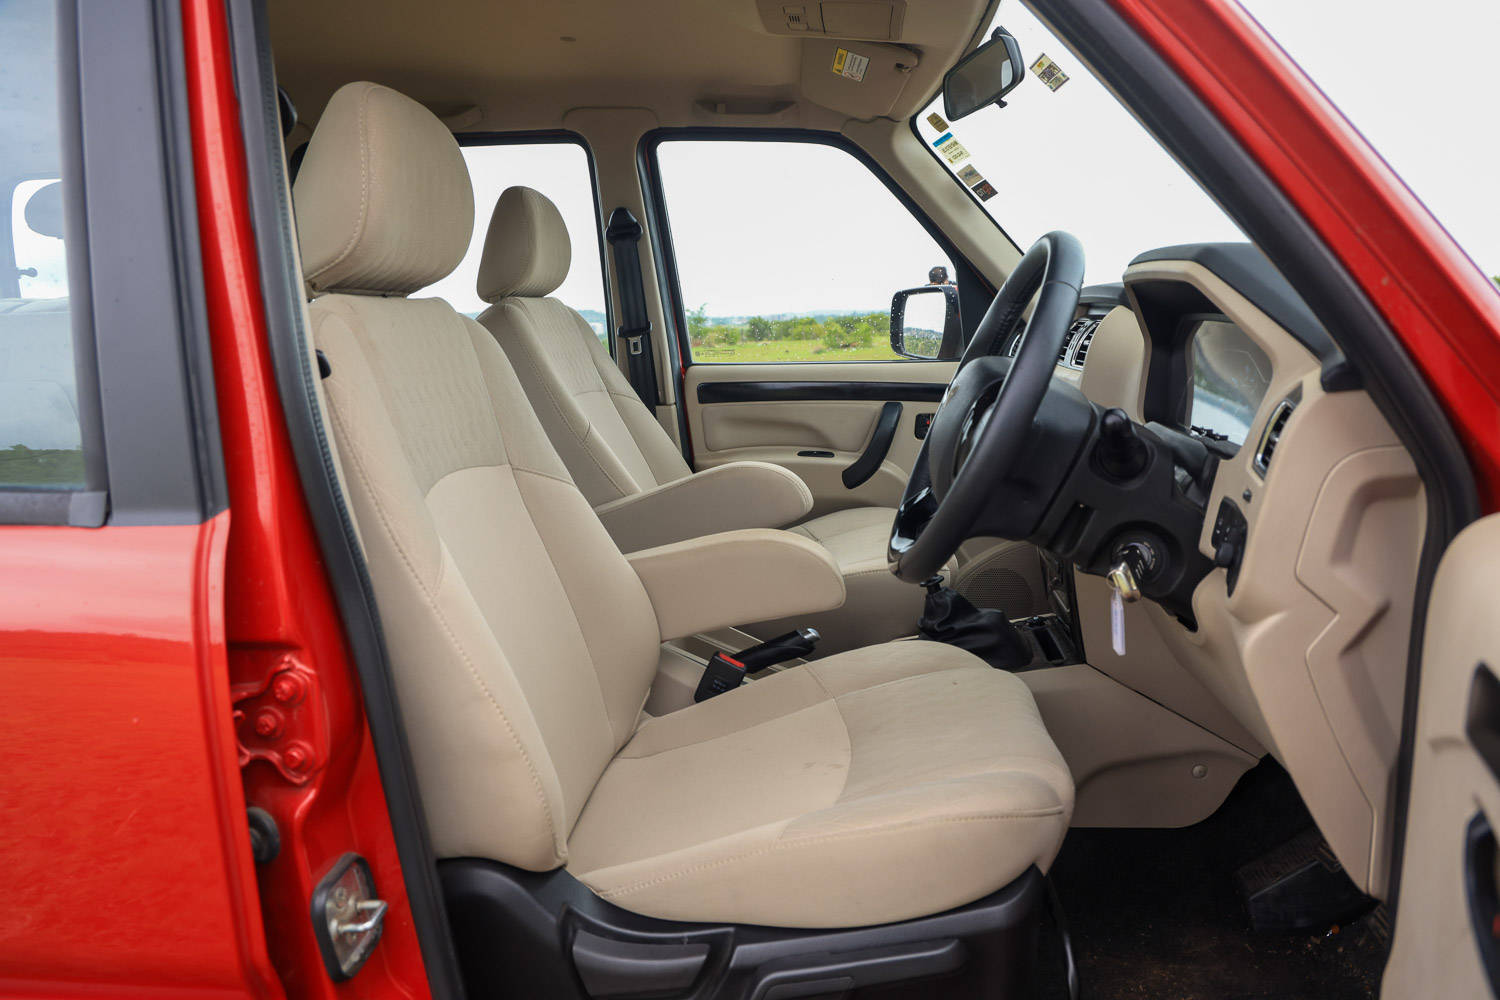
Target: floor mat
x=1155, y=913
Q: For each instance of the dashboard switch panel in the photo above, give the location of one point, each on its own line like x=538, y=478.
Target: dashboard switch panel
x=1228, y=539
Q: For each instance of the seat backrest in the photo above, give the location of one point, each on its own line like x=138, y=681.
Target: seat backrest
x=607, y=438
x=522, y=642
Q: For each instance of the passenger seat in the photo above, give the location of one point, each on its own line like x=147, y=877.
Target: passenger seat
x=625, y=463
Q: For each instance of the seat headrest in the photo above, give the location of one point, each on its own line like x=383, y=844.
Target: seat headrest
x=526, y=250
x=384, y=203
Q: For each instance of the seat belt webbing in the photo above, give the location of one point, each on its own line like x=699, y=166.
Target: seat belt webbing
x=624, y=235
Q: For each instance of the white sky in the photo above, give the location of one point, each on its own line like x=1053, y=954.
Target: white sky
x=765, y=228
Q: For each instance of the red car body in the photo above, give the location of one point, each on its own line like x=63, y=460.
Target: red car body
x=157, y=661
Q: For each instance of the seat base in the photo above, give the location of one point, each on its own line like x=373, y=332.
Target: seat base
x=520, y=933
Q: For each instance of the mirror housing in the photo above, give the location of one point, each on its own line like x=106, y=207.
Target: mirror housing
x=926, y=343
x=984, y=76
x=44, y=211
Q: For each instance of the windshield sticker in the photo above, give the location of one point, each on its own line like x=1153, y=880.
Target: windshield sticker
x=850, y=64
x=969, y=175
x=953, y=151
x=937, y=123
x=1048, y=72
x=985, y=190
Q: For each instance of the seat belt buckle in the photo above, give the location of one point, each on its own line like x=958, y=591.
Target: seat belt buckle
x=723, y=673
x=634, y=337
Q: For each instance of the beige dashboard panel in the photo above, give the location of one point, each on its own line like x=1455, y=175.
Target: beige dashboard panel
x=1310, y=651
x=1134, y=763
x=1115, y=373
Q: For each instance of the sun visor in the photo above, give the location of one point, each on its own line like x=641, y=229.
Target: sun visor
x=858, y=79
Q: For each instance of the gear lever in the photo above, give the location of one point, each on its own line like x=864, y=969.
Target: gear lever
x=948, y=616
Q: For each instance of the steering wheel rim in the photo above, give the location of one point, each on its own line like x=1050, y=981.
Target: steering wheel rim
x=978, y=432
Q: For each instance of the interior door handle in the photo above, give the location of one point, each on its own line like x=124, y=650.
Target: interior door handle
x=880, y=445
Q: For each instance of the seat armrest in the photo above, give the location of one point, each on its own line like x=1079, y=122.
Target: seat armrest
x=725, y=498
x=736, y=577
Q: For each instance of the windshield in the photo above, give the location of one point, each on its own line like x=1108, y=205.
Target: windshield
x=1065, y=155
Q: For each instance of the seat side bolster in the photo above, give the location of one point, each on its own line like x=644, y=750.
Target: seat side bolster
x=736, y=576
x=724, y=498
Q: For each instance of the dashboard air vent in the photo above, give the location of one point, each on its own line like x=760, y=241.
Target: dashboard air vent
x=1272, y=436
x=1081, y=349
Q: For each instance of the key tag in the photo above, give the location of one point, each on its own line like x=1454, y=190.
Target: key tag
x=1117, y=621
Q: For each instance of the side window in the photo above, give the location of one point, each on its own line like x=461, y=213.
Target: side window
x=791, y=251
x=559, y=170
x=41, y=440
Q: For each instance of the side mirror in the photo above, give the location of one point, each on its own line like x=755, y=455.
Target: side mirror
x=44, y=211
x=984, y=76
x=925, y=322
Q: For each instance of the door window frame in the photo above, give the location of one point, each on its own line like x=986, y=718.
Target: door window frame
x=974, y=290
x=131, y=238
x=557, y=136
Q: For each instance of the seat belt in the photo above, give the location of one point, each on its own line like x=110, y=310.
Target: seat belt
x=624, y=235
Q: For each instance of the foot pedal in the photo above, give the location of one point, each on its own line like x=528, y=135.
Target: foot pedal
x=1299, y=886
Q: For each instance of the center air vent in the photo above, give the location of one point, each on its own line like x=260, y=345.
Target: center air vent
x=1272, y=436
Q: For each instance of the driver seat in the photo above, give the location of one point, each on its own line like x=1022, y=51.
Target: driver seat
x=873, y=786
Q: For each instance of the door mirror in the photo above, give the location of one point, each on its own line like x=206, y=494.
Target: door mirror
x=44, y=211
x=925, y=322
x=983, y=77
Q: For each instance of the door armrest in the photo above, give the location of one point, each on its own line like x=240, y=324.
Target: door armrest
x=725, y=498
x=735, y=578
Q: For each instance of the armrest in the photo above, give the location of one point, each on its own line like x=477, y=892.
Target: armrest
x=737, y=577
x=726, y=498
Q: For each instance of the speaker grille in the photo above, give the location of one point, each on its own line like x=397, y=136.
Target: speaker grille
x=1003, y=588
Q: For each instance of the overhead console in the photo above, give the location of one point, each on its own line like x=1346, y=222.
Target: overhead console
x=875, y=20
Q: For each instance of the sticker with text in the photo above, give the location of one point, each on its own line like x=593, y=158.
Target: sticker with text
x=969, y=175
x=850, y=64
x=1048, y=72
x=953, y=151
x=985, y=190
x=936, y=121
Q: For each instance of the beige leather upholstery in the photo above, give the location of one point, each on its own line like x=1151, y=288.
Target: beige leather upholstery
x=884, y=788
x=724, y=498
x=888, y=783
x=362, y=231
x=615, y=448
x=857, y=538
x=702, y=584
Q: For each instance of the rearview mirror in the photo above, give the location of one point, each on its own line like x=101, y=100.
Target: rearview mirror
x=925, y=322
x=983, y=77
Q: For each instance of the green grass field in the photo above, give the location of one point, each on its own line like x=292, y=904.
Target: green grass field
x=23, y=466
x=751, y=352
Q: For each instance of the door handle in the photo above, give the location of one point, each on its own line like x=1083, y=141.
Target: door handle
x=880, y=445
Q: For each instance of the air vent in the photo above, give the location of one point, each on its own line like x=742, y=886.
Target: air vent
x=1272, y=436
x=1081, y=349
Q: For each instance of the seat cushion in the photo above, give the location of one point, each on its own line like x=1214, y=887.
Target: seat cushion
x=877, y=606
x=875, y=786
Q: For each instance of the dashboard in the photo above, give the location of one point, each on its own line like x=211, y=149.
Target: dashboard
x=1313, y=514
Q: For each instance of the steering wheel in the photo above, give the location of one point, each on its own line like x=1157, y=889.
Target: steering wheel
x=987, y=411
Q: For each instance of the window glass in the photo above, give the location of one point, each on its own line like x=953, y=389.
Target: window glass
x=559, y=170
x=40, y=438
x=1067, y=155
x=788, y=251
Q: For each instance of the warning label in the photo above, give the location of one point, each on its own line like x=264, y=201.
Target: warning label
x=850, y=64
